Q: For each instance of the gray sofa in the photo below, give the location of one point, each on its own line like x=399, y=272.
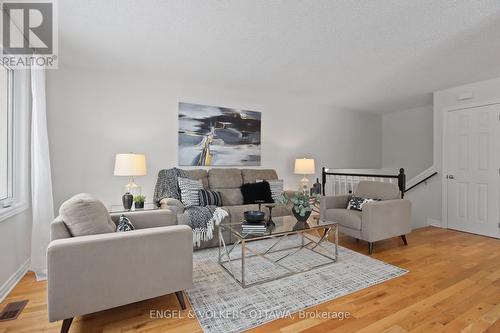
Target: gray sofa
x=390, y=217
x=228, y=182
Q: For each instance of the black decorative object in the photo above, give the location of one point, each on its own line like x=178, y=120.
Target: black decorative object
x=301, y=225
x=253, y=216
x=316, y=188
x=270, y=225
x=260, y=202
x=139, y=205
x=299, y=217
x=127, y=200
x=255, y=192
x=270, y=207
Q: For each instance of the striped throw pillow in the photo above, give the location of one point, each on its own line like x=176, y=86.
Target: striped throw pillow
x=189, y=191
x=276, y=188
x=210, y=198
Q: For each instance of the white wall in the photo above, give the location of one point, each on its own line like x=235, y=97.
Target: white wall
x=407, y=140
x=93, y=116
x=15, y=232
x=15, y=246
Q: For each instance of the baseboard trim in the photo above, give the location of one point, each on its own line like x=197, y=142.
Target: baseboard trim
x=434, y=223
x=7, y=287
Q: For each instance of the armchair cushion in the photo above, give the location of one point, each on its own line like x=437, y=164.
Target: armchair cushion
x=385, y=219
x=379, y=190
x=85, y=215
x=337, y=201
x=345, y=217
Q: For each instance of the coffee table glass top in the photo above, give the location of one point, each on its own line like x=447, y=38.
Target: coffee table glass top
x=280, y=225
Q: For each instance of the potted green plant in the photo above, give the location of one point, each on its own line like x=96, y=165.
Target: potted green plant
x=139, y=201
x=302, y=204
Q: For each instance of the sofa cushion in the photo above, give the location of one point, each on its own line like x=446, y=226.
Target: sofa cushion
x=84, y=215
x=251, y=175
x=253, y=193
x=345, y=217
x=224, y=178
x=230, y=196
x=198, y=174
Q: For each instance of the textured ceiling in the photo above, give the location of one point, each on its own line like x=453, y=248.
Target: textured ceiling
x=378, y=56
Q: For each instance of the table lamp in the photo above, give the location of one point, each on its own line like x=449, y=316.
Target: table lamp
x=304, y=166
x=130, y=165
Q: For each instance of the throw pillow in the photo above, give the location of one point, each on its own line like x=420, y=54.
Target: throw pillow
x=357, y=203
x=124, y=224
x=85, y=215
x=256, y=192
x=276, y=188
x=189, y=191
x=210, y=198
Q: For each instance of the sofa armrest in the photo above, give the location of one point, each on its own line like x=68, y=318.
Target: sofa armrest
x=97, y=272
x=329, y=202
x=143, y=219
x=385, y=219
x=289, y=193
x=173, y=204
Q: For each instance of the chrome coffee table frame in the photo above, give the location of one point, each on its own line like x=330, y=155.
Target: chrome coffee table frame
x=306, y=243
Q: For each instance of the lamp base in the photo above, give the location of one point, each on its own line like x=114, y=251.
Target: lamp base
x=304, y=184
x=127, y=200
x=132, y=188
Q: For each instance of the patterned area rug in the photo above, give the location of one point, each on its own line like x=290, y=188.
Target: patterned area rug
x=222, y=305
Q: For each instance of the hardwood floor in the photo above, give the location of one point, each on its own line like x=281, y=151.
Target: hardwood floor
x=453, y=286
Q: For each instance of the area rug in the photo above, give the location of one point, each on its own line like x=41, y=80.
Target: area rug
x=222, y=305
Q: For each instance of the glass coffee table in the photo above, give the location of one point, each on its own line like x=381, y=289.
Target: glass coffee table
x=297, y=236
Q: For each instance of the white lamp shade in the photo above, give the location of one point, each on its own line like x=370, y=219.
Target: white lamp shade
x=305, y=166
x=130, y=165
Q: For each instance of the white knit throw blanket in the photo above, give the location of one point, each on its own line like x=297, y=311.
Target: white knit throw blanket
x=207, y=233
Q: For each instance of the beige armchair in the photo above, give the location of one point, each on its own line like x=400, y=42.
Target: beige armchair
x=378, y=220
x=97, y=272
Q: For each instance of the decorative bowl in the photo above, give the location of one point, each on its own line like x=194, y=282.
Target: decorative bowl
x=253, y=216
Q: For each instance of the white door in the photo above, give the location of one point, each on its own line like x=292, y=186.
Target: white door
x=473, y=170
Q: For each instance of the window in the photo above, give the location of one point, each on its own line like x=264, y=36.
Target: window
x=6, y=138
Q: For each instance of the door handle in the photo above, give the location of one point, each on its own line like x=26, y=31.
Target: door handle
x=450, y=176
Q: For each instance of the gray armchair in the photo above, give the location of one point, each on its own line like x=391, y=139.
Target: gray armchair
x=97, y=272
x=378, y=220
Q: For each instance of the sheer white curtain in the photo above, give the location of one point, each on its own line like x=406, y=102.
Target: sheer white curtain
x=41, y=182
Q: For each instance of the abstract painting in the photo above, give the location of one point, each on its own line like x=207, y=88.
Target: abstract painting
x=218, y=136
